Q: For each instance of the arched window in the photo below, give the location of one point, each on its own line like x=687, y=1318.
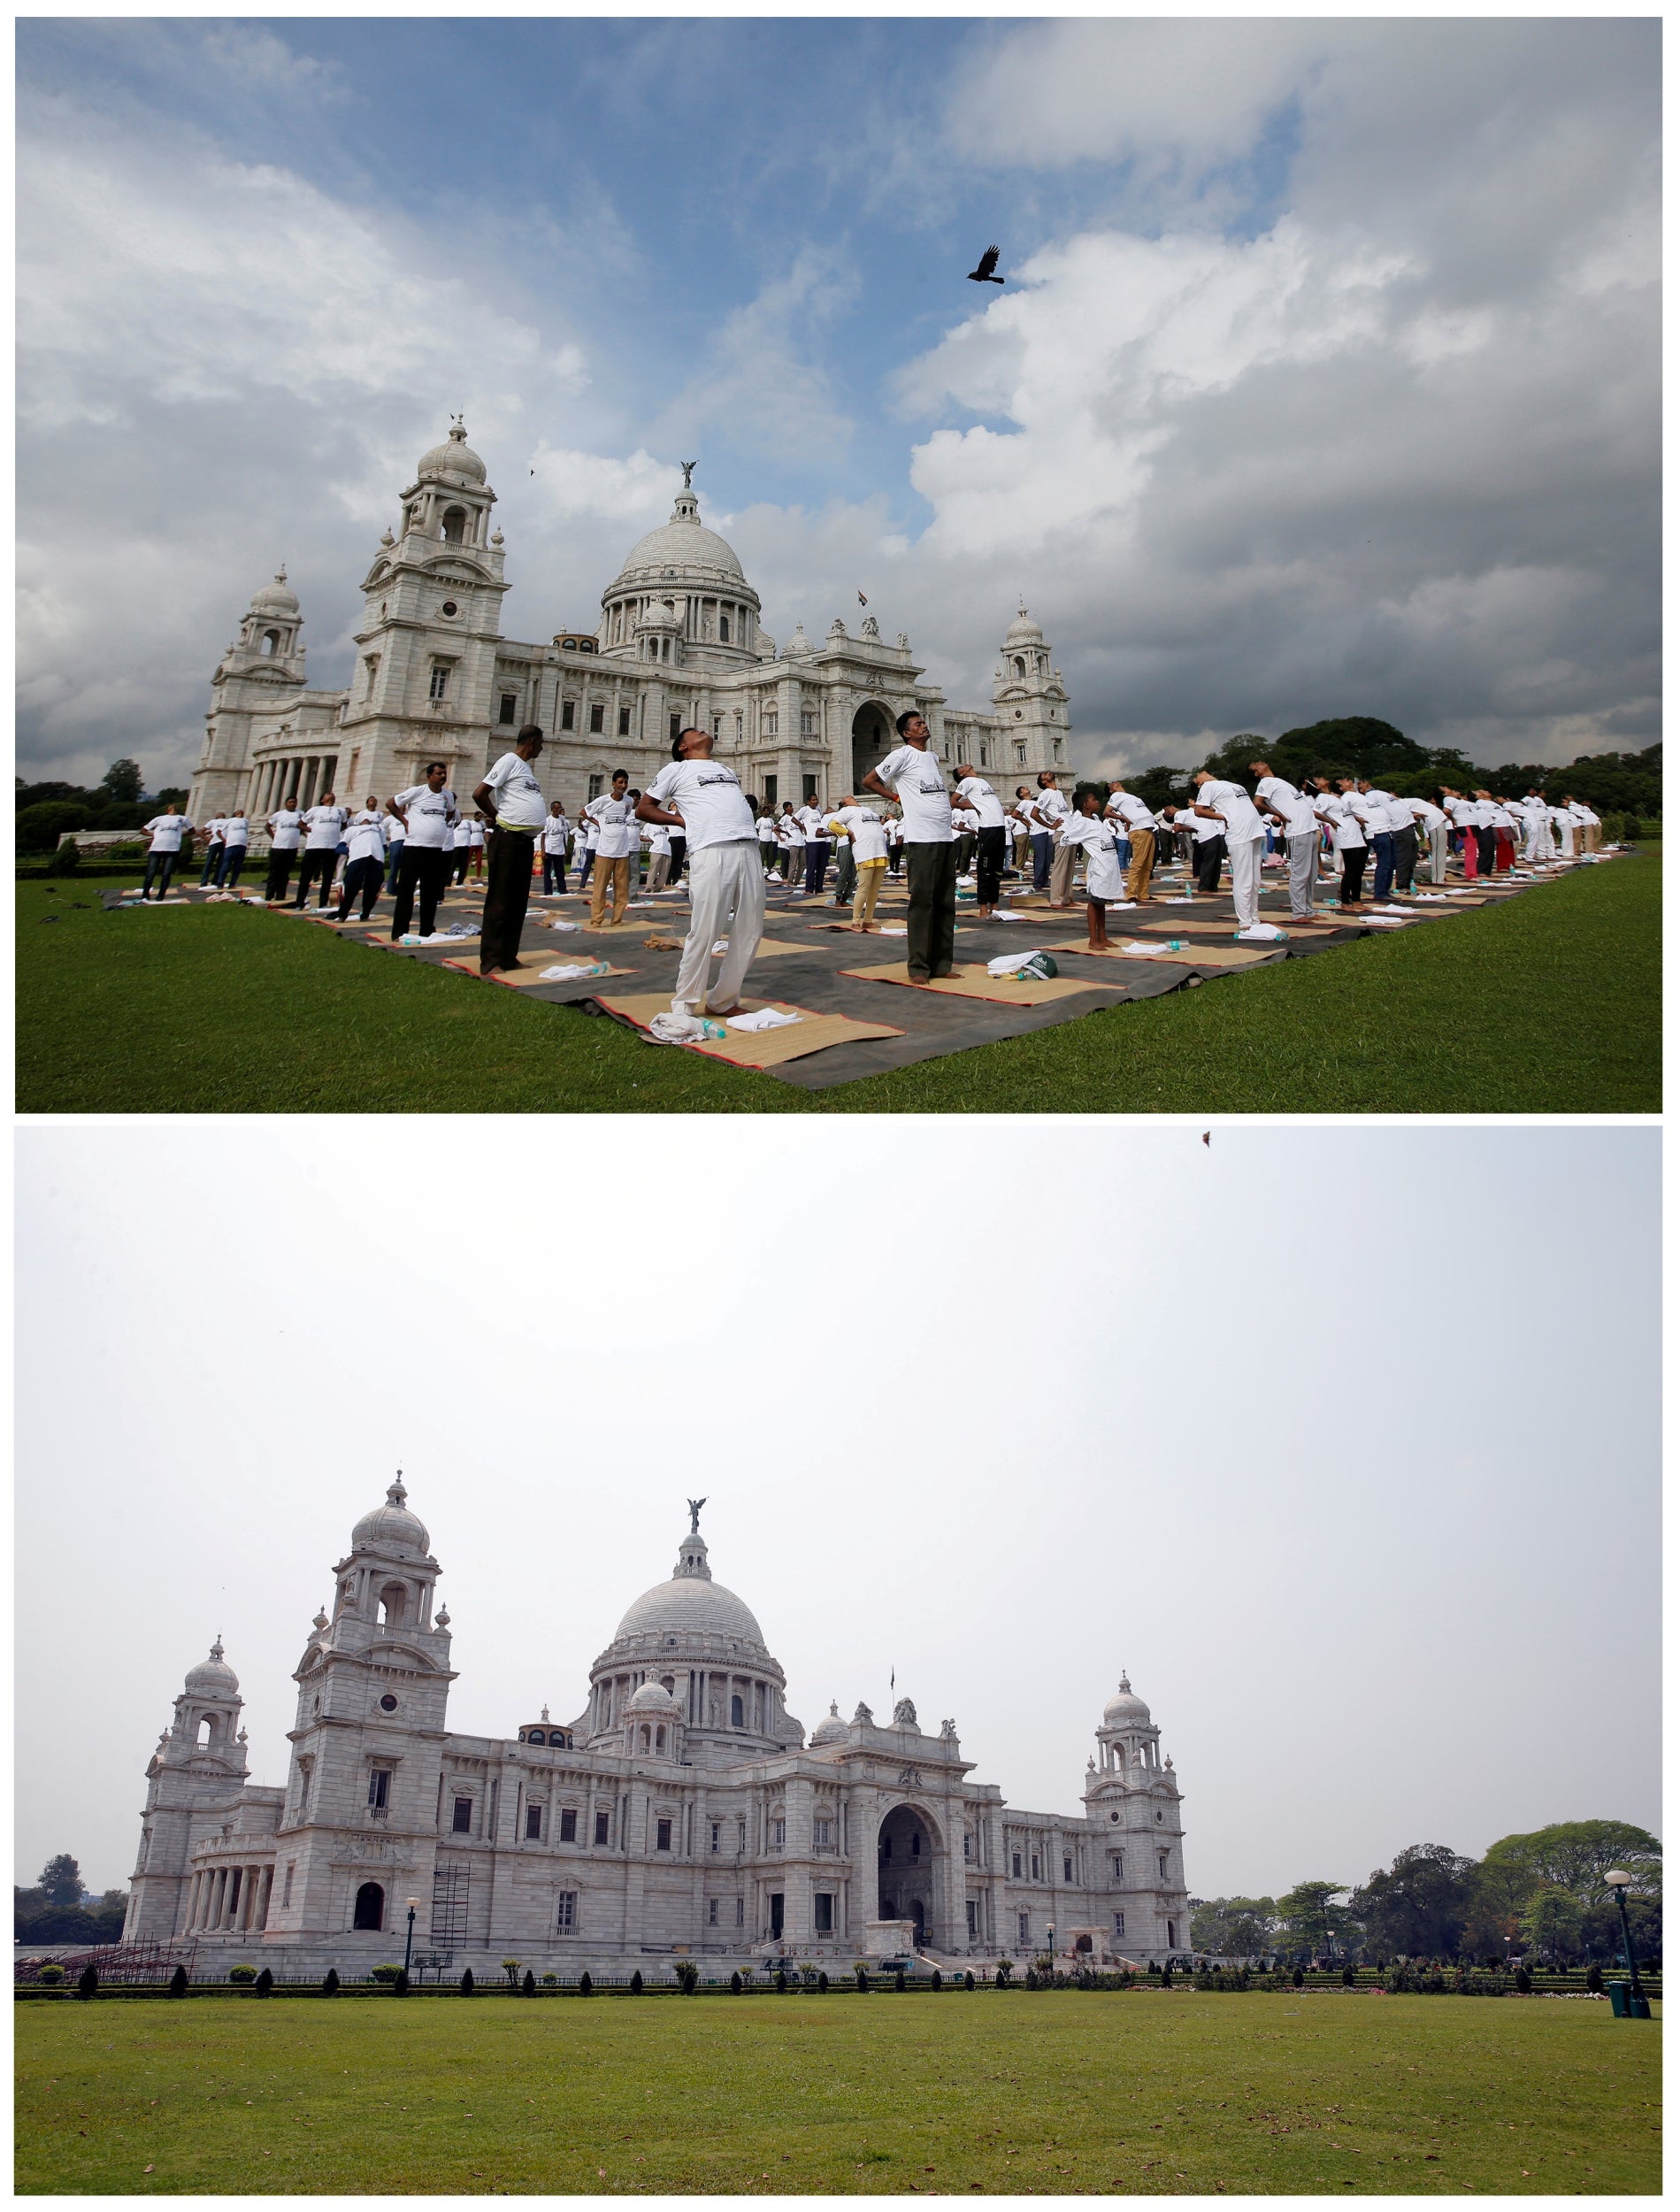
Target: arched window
x=393, y=1604
x=270, y=642
x=370, y=1906
x=536, y=1735
x=723, y=629
x=206, y=1731
x=737, y=1713
x=1172, y=1935
x=1020, y=665
x=455, y=525
x=659, y=1739
x=647, y=1741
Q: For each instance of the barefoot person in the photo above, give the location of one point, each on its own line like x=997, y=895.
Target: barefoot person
x=425, y=812
x=702, y=799
x=1087, y=826
x=911, y=775
x=989, y=835
x=510, y=801
x=868, y=835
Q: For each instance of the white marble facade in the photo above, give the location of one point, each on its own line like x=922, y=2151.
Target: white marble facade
x=682, y=1811
x=678, y=642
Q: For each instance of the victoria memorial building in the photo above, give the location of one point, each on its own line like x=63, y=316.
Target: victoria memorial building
x=682, y=1811
x=678, y=642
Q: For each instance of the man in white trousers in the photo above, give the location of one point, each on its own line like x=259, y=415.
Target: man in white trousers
x=1245, y=841
x=702, y=799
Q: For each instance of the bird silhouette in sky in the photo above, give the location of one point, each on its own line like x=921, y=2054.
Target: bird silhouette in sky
x=862, y=601
x=1207, y=1138
x=983, y=274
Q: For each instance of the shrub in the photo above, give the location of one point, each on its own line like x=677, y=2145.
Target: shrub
x=1006, y=1967
x=1166, y=1976
x=1297, y=1977
x=265, y=1982
x=1630, y=829
x=937, y=1983
x=734, y=1983
x=550, y=1981
x=178, y=1982
x=1595, y=1978
x=898, y=1977
x=821, y=1984
x=1347, y=1977
x=968, y=1980
x=781, y=1981
x=241, y=1973
x=511, y=1968
x=585, y=1987
x=467, y=1983
x=1030, y=1979
x=862, y=1977
x=380, y=1973
x=329, y=1987
x=65, y=859
x=51, y=1975
x=690, y=1974
x=87, y=1981
x=400, y=1986
x=635, y=1981
x=528, y=1986
x=38, y=828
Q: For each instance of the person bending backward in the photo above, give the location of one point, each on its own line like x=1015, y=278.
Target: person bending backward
x=237, y=841
x=866, y=835
x=1134, y=828
x=701, y=798
x=511, y=802
x=555, y=830
x=911, y=775
x=1209, y=852
x=364, y=868
x=285, y=834
x=990, y=836
x=164, y=830
x=1090, y=826
x=1297, y=818
x=613, y=815
x=965, y=825
x=427, y=813
x=323, y=827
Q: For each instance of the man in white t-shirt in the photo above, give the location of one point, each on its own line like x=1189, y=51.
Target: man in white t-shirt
x=989, y=833
x=587, y=846
x=703, y=799
x=1588, y=822
x=1297, y=818
x=1135, y=817
x=428, y=813
x=365, y=861
x=911, y=775
x=237, y=837
x=1051, y=811
x=1427, y=821
x=613, y=815
x=285, y=835
x=866, y=836
x=556, y=829
x=814, y=822
x=164, y=830
x=1244, y=839
x=322, y=826
x=511, y=802
x=215, y=830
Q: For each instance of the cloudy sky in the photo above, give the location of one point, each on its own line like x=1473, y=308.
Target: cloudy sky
x=1343, y=1440
x=1324, y=380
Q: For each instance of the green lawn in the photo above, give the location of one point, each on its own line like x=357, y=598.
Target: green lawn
x=1015, y=2093
x=1549, y=1003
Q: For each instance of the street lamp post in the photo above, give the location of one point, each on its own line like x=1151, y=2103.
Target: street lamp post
x=1639, y=2004
x=408, y=1948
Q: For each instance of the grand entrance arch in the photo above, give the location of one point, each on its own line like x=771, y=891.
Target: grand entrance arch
x=909, y=1865
x=873, y=738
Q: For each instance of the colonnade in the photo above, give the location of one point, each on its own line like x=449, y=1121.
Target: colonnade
x=229, y=1899
x=294, y=780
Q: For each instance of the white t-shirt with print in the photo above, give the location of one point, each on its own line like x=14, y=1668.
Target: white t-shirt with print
x=166, y=832
x=516, y=793
x=983, y=801
x=867, y=832
x=710, y=799
x=430, y=813
x=325, y=826
x=615, y=821
x=285, y=828
x=913, y=774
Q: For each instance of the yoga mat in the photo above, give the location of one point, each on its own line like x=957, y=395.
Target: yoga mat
x=972, y=981
x=1226, y=956
x=530, y=970
x=813, y=1032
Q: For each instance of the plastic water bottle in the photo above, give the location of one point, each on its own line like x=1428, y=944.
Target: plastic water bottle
x=713, y=1031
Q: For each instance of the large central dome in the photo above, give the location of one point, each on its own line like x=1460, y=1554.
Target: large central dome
x=686, y=1606
x=681, y=551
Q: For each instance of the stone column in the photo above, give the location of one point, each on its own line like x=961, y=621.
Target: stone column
x=268, y=1892
x=796, y=1885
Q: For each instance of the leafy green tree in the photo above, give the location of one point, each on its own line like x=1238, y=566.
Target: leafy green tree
x=1159, y=787
x=122, y=780
x=37, y=829
x=1358, y=744
x=1234, y=1927
x=1553, y=1921
x=1416, y=1907
x=1309, y=1918
x=1576, y=1855
x=60, y=1879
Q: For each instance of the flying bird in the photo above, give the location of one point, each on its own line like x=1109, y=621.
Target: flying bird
x=1207, y=1138
x=983, y=274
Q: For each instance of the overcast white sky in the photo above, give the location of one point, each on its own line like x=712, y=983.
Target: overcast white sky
x=1342, y=1441
x=1324, y=381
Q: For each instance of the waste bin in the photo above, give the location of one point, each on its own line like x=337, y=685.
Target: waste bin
x=1625, y=2005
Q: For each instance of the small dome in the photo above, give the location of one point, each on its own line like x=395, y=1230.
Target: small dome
x=661, y=615
x=1024, y=631
x=799, y=645
x=213, y=1675
x=391, y=1526
x=653, y=1697
x=830, y=1730
x=454, y=457
x=1123, y=1711
x=275, y=599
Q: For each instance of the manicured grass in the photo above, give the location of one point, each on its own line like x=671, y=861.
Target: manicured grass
x=1017, y=2093
x=1549, y=1003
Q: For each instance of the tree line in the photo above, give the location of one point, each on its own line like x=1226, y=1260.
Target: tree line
x=1361, y=745
x=53, y=1912
x=44, y=811
x=1541, y=1896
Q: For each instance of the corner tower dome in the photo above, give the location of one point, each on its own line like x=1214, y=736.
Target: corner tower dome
x=213, y=1675
x=1124, y=1709
x=454, y=457
x=275, y=599
x=391, y=1527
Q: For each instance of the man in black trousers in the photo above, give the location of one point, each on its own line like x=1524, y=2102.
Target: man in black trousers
x=510, y=800
x=426, y=812
x=912, y=777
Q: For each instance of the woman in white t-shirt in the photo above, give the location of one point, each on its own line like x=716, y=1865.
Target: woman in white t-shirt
x=767, y=840
x=1103, y=880
x=790, y=835
x=1342, y=809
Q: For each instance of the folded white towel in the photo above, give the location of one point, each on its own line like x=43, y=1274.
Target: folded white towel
x=1008, y=962
x=767, y=1017
x=565, y=973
